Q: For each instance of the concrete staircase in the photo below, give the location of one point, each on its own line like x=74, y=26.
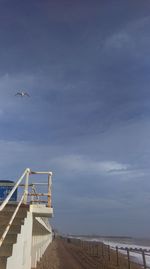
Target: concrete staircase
x=11, y=237
x=29, y=233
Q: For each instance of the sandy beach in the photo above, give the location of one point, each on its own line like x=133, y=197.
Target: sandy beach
x=62, y=254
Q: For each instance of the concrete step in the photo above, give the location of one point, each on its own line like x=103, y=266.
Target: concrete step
x=3, y=261
x=11, y=208
x=10, y=238
x=6, y=250
x=14, y=229
x=20, y=214
x=5, y=220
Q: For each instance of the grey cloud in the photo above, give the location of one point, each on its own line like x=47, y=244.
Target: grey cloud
x=88, y=116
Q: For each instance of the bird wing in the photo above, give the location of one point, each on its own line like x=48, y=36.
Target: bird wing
x=18, y=93
x=25, y=93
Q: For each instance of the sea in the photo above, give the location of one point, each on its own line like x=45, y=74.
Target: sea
x=119, y=240
x=124, y=242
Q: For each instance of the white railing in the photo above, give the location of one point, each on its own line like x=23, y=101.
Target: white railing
x=26, y=194
x=26, y=173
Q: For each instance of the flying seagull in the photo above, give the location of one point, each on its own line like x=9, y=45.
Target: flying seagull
x=22, y=94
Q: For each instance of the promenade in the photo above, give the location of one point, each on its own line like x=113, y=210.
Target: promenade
x=70, y=254
x=62, y=255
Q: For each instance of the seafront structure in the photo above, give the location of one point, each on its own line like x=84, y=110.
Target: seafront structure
x=25, y=231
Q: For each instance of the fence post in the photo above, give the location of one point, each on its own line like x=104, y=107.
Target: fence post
x=93, y=249
x=88, y=247
x=103, y=256
x=144, y=259
x=102, y=250
x=117, y=256
x=97, y=250
x=128, y=255
x=109, y=253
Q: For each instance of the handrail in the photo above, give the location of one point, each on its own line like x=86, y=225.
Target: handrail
x=48, y=194
x=24, y=197
x=27, y=171
x=11, y=221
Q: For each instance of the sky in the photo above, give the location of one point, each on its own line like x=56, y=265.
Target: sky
x=86, y=65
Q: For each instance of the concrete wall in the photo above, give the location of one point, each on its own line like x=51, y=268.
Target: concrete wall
x=41, y=238
x=31, y=243
x=21, y=255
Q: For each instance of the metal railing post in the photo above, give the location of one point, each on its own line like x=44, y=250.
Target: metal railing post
x=49, y=190
x=26, y=187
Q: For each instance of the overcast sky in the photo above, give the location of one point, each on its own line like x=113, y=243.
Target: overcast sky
x=86, y=65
